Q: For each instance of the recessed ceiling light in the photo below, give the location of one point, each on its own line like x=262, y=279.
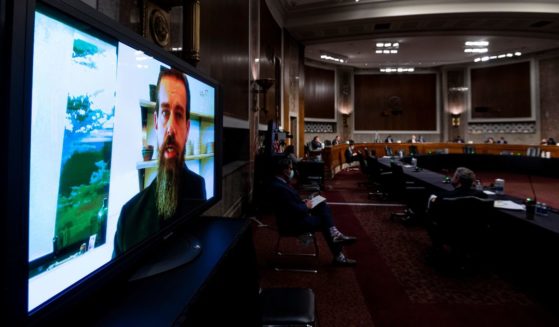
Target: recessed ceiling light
x=333, y=57
x=476, y=43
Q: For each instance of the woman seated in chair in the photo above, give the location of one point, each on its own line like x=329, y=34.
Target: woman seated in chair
x=298, y=216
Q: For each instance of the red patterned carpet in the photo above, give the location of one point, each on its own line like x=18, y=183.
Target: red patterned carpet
x=393, y=285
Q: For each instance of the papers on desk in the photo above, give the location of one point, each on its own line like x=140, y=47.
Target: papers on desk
x=317, y=199
x=489, y=192
x=506, y=204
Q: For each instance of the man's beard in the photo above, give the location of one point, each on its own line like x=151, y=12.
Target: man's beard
x=168, y=182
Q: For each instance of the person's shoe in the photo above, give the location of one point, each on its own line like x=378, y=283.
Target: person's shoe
x=343, y=239
x=342, y=261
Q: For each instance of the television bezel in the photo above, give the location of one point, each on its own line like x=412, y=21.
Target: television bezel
x=17, y=19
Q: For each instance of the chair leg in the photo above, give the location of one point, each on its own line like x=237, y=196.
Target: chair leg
x=278, y=252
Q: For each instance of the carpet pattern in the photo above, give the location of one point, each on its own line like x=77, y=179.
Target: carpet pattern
x=392, y=284
x=404, y=249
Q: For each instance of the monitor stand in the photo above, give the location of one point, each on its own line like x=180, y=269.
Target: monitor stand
x=182, y=250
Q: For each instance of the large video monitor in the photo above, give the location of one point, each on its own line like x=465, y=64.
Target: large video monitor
x=124, y=143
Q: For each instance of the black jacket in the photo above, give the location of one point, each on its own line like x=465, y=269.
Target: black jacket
x=138, y=217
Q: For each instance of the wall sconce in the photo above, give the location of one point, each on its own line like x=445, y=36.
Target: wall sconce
x=261, y=86
x=345, y=117
x=455, y=120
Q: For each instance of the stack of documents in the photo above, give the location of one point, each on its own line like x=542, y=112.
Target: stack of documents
x=507, y=204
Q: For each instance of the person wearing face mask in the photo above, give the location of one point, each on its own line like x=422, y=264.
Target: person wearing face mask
x=299, y=216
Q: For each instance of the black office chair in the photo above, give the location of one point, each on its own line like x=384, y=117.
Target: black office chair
x=469, y=149
x=464, y=226
x=378, y=178
x=292, y=242
x=413, y=150
x=411, y=194
x=311, y=175
x=388, y=151
x=287, y=307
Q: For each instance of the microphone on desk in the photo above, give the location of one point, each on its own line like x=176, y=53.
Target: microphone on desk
x=531, y=203
x=532, y=187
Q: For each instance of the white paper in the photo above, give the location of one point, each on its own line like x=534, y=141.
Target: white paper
x=489, y=192
x=506, y=204
x=316, y=200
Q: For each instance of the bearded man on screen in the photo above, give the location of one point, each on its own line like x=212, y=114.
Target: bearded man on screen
x=176, y=190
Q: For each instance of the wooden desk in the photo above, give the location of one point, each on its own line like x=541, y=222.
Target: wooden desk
x=433, y=181
x=333, y=156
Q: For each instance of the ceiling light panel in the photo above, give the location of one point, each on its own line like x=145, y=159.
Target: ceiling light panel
x=387, y=47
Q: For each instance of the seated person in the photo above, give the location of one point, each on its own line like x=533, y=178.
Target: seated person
x=463, y=181
x=458, y=139
x=413, y=139
x=389, y=139
x=337, y=140
x=490, y=140
x=316, y=144
x=502, y=140
x=350, y=155
x=551, y=141
x=290, y=153
x=299, y=215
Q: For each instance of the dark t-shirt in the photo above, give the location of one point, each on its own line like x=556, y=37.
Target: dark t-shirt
x=139, y=219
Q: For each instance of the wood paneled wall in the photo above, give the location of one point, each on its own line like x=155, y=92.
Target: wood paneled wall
x=320, y=93
x=223, y=51
x=270, y=54
x=291, y=77
x=501, y=91
x=396, y=102
x=549, y=97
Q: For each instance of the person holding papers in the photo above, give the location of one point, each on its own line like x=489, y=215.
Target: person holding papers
x=299, y=215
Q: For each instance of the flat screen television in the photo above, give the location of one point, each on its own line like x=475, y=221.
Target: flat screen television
x=122, y=148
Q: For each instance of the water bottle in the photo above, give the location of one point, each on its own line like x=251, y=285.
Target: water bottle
x=544, y=209
x=538, y=208
x=499, y=186
x=479, y=186
x=414, y=162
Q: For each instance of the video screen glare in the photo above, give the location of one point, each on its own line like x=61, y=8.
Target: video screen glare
x=95, y=145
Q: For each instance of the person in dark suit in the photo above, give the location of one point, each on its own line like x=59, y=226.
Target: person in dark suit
x=350, y=155
x=337, y=140
x=463, y=181
x=176, y=190
x=295, y=214
x=389, y=139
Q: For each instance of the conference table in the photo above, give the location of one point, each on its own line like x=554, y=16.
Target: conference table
x=434, y=182
x=524, y=250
